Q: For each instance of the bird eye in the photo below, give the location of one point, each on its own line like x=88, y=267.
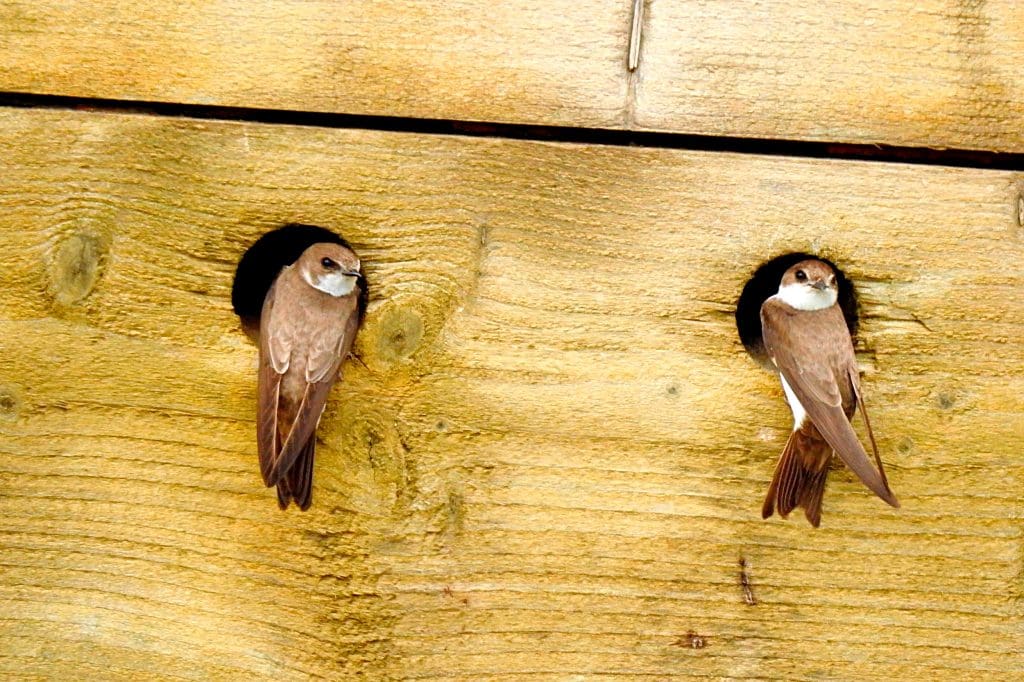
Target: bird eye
x=801, y=275
x=328, y=263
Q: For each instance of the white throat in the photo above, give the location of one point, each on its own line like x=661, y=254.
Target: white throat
x=806, y=297
x=334, y=284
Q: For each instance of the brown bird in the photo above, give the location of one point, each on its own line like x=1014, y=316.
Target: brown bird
x=807, y=339
x=309, y=320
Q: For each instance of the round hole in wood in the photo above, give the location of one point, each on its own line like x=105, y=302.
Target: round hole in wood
x=765, y=283
x=261, y=263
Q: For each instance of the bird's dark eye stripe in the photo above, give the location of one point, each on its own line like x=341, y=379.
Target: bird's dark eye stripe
x=328, y=263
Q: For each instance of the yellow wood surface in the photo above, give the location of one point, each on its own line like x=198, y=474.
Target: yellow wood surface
x=936, y=73
x=552, y=458
x=522, y=61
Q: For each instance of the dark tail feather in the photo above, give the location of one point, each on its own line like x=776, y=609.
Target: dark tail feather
x=813, y=492
x=297, y=483
x=284, y=494
x=799, y=479
x=300, y=476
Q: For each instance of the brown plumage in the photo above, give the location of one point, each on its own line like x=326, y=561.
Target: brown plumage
x=309, y=321
x=807, y=339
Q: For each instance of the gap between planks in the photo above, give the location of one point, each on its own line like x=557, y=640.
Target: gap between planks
x=758, y=146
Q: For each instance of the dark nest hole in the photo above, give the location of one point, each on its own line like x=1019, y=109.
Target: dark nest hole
x=262, y=262
x=765, y=283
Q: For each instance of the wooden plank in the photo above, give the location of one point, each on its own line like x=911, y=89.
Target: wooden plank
x=554, y=454
x=523, y=61
x=934, y=73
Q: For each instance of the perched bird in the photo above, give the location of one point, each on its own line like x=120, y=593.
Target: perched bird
x=309, y=320
x=807, y=340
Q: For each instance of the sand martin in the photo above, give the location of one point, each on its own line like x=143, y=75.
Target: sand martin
x=807, y=340
x=309, y=321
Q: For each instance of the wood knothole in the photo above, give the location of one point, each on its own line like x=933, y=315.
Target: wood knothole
x=77, y=265
x=765, y=283
x=10, y=403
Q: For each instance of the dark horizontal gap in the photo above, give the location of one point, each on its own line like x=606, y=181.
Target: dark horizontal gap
x=959, y=158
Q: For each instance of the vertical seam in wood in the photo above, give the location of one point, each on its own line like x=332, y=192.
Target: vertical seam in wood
x=636, y=26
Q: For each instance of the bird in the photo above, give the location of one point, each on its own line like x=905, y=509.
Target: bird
x=309, y=320
x=807, y=340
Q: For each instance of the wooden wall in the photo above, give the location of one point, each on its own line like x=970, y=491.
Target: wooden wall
x=934, y=73
x=550, y=459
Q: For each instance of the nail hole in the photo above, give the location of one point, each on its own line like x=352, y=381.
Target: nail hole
x=691, y=640
x=261, y=262
x=765, y=283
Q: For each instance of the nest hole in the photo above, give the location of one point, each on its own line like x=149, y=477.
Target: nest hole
x=765, y=283
x=262, y=262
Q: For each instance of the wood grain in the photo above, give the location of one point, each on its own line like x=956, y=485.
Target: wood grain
x=524, y=61
x=936, y=73
x=552, y=455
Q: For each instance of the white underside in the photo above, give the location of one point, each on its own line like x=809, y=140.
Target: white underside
x=799, y=413
x=335, y=283
x=806, y=297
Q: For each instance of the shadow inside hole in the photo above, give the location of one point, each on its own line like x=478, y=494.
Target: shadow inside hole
x=765, y=283
x=262, y=262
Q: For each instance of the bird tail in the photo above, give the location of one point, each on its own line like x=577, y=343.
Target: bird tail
x=799, y=479
x=297, y=484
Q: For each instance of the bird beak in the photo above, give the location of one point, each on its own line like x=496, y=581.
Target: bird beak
x=820, y=285
x=354, y=273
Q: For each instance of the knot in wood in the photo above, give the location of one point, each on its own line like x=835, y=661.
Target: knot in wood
x=9, y=404
x=76, y=267
x=401, y=331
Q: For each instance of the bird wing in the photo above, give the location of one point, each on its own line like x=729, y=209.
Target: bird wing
x=807, y=347
x=855, y=384
x=275, y=356
x=325, y=353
